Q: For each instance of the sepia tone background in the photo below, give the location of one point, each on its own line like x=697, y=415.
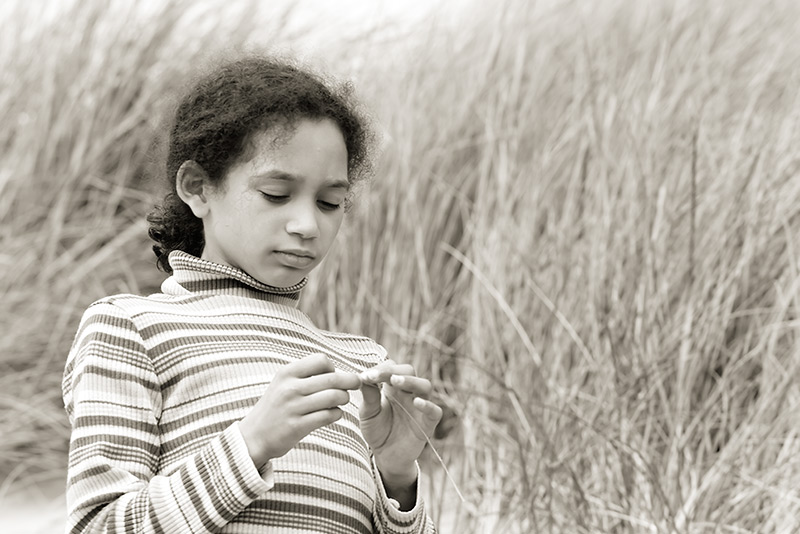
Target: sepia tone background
x=584, y=227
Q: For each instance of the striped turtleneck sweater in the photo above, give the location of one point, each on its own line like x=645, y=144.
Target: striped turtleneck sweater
x=154, y=388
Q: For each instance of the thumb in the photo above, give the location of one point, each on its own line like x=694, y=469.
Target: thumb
x=372, y=401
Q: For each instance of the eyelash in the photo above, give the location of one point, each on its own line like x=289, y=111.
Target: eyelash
x=280, y=199
x=327, y=206
x=276, y=199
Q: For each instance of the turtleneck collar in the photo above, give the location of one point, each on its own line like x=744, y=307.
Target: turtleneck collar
x=194, y=276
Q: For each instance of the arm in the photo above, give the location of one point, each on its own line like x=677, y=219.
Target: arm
x=396, y=419
x=113, y=400
x=390, y=518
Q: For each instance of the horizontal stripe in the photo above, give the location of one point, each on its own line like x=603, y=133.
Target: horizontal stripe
x=154, y=387
x=317, y=492
x=205, y=364
x=117, y=375
x=307, y=518
x=257, y=335
x=91, y=420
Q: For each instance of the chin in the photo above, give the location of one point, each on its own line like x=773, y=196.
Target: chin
x=289, y=282
x=284, y=280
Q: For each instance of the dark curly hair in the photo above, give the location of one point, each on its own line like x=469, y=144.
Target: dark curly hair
x=218, y=117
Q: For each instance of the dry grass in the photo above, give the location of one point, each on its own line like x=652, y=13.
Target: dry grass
x=585, y=228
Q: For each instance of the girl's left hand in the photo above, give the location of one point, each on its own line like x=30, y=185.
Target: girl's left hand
x=395, y=439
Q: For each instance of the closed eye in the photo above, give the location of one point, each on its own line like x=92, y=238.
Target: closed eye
x=275, y=199
x=328, y=206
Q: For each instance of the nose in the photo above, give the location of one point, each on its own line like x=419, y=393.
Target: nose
x=303, y=222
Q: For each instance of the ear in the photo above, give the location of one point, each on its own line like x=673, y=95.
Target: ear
x=193, y=187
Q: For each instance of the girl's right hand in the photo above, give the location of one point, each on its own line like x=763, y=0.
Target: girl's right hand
x=303, y=396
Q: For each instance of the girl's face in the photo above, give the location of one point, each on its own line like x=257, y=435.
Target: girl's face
x=276, y=215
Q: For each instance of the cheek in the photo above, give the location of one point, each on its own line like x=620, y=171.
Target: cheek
x=334, y=223
x=329, y=228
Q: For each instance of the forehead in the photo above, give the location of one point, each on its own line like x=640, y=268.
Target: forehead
x=282, y=132
x=303, y=134
x=309, y=149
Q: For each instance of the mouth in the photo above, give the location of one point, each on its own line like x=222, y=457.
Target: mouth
x=295, y=258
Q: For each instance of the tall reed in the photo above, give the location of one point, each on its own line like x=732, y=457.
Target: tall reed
x=584, y=227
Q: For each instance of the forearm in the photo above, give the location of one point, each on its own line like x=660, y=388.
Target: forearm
x=104, y=497
x=400, y=484
x=410, y=517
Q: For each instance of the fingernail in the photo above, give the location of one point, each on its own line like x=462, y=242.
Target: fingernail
x=368, y=376
x=396, y=380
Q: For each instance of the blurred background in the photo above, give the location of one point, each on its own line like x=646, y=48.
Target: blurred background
x=584, y=228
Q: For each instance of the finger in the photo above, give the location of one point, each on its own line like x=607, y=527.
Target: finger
x=336, y=380
x=323, y=400
x=371, y=403
x=384, y=371
x=378, y=373
x=320, y=418
x=431, y=411
x=414, y=385
x=311, y=365
x=403, y=369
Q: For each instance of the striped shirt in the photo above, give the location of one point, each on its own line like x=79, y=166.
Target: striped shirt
x=154, y=388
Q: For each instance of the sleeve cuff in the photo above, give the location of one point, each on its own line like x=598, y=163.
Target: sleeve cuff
x=216, y=485
x=390, y=509
x=259, y=480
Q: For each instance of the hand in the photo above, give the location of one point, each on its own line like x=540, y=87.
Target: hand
x=303, y=396
x=396, y=422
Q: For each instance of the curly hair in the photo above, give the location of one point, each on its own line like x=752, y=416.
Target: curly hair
x=218, y=117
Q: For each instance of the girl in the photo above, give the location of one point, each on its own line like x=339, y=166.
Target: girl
x=215, y=405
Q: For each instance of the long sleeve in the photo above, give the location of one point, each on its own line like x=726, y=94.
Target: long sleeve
x=113, y=398
x=154, y=388
x=389, y=519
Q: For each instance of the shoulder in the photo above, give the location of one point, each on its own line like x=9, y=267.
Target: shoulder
x=108, y=356
x=105, y=309
x=107, y=320
x=112, y=309
x=129, y=306
x=117, y=318
x=365, y=347
x=346, y=336
x=106, y=343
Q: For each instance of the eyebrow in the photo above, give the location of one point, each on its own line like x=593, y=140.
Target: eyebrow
x=289, y=177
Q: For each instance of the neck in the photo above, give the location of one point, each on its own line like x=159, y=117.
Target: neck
x=193, y=275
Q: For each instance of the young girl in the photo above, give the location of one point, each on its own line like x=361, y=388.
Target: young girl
x=215, y=405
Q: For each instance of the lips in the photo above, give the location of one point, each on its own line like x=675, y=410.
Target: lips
x=295, y=258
